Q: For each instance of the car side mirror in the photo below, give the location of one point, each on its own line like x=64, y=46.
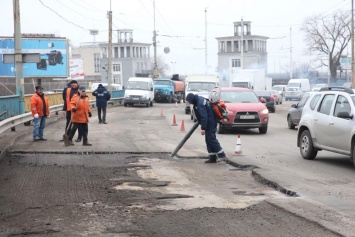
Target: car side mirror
x=262, y=100
x=344, y=115
x=294, y=106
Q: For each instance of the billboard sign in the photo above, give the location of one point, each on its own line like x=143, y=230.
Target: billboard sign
x=53, y=63
x=76, y=69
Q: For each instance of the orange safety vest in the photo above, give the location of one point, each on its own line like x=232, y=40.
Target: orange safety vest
x=67, y=98
x=82, y=109
x=37, y=105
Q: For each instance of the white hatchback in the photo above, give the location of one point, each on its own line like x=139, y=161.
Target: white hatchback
x=328, y=123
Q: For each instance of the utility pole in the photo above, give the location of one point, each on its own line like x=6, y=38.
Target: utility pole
x=20, y=81
x=155, y=67
x=352, y=46
x=291, y=66
x=109, y=70
x=206, y=66
x=242, y=45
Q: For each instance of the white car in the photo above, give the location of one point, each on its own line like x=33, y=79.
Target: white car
x=328, y=123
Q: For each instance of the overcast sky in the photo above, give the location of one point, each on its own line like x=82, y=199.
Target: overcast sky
x=180, y=25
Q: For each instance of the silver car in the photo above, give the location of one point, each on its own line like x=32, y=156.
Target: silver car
x=328, y=123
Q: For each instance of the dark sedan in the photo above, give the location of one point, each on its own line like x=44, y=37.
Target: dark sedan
x=270, y=99
x=294, y=114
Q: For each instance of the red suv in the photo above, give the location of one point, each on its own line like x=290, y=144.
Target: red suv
x=244, y=110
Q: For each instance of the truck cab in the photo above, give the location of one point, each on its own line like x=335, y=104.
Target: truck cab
x=201, y=85
x=163, y=90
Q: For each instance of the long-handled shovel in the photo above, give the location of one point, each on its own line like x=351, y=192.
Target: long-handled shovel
x=65, y=136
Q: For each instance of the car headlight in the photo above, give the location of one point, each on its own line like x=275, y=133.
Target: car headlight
x=144, y=96
x=126, y=96
x=265, y=111
x=230, y=111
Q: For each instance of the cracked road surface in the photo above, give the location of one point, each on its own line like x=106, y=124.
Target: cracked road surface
x=138, y=195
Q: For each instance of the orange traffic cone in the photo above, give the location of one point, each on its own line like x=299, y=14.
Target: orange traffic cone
x=238, y=147
x=174, y=121
x=161, y=112
x=182, y=128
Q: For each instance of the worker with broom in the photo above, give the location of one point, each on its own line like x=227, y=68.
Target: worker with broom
x=81, y=112
x=69, y=91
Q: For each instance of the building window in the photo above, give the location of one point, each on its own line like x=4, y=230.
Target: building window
x=116, y=67
x=97, y=62
x=76, y=56
x=236, y=63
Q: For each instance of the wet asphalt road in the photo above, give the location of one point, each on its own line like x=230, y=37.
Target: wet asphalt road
x=138, y=190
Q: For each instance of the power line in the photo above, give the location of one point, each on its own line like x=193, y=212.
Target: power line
x=63, y=18
x=82, y=6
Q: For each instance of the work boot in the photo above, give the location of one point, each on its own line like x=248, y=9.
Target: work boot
x=86, y=143
x=211, y=159
x=221, y=157
x=71, y=142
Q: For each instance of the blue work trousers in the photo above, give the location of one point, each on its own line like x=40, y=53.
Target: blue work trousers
x=38, y=127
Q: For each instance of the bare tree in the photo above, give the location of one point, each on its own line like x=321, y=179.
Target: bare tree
x=161, y=66
x=328, y=35
x=303, y=70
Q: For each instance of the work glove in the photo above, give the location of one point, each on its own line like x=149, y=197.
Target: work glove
x=36, y=116
x=48, y=116
x=73, y=110
x=90, y=115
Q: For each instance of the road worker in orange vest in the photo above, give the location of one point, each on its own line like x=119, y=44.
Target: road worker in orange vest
x=40, y=111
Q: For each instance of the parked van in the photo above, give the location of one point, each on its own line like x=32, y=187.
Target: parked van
x=115, y=87
x=281, y=89
x=139, y=90
x=303, y=84
x=201, y=85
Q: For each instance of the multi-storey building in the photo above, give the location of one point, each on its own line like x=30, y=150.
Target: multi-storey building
x=129, y=59
x=230, y=55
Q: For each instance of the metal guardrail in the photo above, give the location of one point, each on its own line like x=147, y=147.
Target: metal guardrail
x=10, y=123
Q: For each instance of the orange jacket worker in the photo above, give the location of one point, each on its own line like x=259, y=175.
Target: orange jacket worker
x=80, y=108
x=40, y=111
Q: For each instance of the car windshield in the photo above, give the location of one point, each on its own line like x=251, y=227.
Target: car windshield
x=137, y=85
x=262, y=93
x=277, y=88
x=293, y=89
x=239, y=97
x=353, y=98
x=201, y=86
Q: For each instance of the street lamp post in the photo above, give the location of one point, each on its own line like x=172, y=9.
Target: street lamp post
x=173, y=63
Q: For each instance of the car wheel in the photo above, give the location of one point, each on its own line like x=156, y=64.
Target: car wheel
x=125, y=104
x=307, y=149
x=263, y=130
x=191, y=117
x=289, y=122
x=151, y=103
x=187, y=111
x=147, y=104
x=170, y=99
x=220, y=129
x=353, y=155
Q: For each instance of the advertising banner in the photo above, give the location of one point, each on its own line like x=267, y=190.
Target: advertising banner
x=54, y=58
x=76, y=69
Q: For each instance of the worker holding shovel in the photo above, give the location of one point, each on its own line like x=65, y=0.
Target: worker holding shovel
x=81, y=112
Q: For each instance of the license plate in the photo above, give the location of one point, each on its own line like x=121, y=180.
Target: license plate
x=247, y=116
x=135, y=98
